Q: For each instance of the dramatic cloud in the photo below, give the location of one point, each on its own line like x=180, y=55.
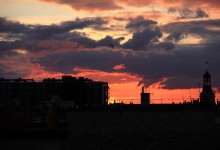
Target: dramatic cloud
x=175, y=36
x=141, y=40
x=65, y=50
x=63, y=36
x=110, y=42
x=7, y=26
x=51, y=37
x=208, y=30
x=47, y=31
x=139, y=24
x=188, y=13
x=181, y=66
x=146, y=34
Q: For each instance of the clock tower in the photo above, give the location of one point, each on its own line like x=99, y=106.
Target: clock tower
x=207, y=96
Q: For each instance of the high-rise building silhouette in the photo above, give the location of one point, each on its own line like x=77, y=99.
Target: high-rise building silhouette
x=28, y=93
x=207, y=95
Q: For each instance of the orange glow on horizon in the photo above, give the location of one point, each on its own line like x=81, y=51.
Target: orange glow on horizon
x=123, y=87
x=130, y=92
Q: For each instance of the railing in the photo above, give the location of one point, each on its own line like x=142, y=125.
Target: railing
x=154, y=101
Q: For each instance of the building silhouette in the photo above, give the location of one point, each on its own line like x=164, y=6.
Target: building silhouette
x=27, y=92
x=145, y=97
x=207, y=96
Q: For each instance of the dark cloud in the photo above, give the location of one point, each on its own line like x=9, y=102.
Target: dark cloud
x=206, y=29
x=48, y=31
x=40, y=32
x=198, y=13
x=166, y=45
x=175, y=36
x=98, y=60
x=141, y=40
x=171, y=40
x=5, y=45
x=70, y=41
x=201, y=13
x=34, y=37
x=109, y=41
x=147, y=36
x=139, y=24
x=174, y=82
x=7, y=72
x=7, y=26
x=120, y=18
x=186, y=13
x=183, y=67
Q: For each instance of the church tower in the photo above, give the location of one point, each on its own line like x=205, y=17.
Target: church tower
x=207, y=96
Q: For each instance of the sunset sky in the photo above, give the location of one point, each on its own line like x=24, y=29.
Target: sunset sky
x=160, y=44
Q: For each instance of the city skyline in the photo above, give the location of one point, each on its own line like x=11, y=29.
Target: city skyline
x=162, y=45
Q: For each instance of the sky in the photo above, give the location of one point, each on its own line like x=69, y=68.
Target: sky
x=159, y=44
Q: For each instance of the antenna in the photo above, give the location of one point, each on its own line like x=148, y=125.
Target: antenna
x=142, y=89
x=189, y=94
x=207, y=65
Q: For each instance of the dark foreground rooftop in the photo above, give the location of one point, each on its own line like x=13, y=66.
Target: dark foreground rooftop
x=139, y=130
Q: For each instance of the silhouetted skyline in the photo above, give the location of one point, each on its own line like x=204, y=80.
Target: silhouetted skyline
x=161, y=45
x=96, y=52
x=69, y=91
x=73, y=92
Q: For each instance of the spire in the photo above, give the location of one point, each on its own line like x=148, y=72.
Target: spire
x=207, y=65
x=206, y=75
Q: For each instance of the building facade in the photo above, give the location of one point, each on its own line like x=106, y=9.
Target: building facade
x=27, y=92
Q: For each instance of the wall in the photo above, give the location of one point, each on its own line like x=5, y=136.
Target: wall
x=141, y=130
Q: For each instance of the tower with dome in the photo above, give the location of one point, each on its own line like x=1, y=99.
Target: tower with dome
x=207, y=96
